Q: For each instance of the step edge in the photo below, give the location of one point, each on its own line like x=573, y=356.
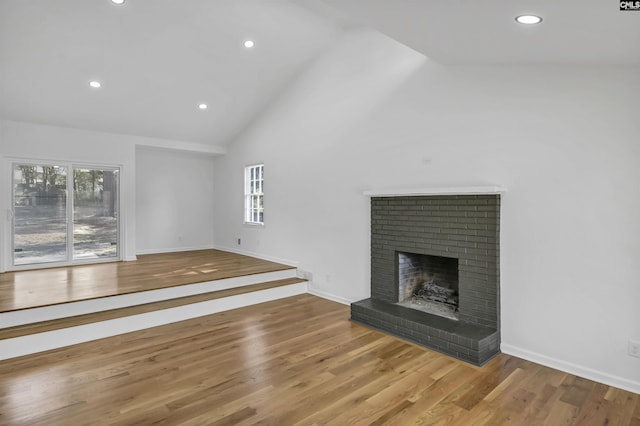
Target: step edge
x=55, y=339
x=82, y=307
x=49, y=325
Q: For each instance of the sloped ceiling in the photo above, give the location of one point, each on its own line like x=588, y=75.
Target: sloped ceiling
x=467, y=32
x=158, y=59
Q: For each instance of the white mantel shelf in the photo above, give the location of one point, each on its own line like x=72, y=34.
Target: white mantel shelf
x=454, y=190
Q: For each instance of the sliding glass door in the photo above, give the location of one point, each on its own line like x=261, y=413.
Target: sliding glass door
x=64, y=214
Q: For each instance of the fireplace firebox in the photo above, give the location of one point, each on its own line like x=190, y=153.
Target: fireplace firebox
x=428, y=283
x=435, y=272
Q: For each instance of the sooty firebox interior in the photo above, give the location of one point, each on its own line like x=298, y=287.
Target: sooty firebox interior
x=428, y=283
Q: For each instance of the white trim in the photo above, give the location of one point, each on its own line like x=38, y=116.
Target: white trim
x=173, y=250
x=293, y=263
x=257, y=183
x=7, y=263
x=569, y=367
x=33, y=343
x=453, y=190
x=6, y=212
x=190, y=147
x=328, y=296
x=52, y=265
x=253, y=224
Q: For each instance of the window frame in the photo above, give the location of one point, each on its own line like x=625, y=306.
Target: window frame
x=8, y=195
x=254, y=195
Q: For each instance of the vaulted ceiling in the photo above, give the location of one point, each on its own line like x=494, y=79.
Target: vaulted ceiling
x=158, y=60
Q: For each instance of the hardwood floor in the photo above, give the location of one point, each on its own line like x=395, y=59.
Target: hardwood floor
x=42, y=287
x=292, y=361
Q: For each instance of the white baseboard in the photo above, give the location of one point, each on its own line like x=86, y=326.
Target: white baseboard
x=568, y=367
x=257, y=255
x=329, y=296
x=34, y=343
x=173, y=250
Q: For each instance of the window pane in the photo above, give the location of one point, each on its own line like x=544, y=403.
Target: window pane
x=254, y=188
x=95, y=218
x=40, y=214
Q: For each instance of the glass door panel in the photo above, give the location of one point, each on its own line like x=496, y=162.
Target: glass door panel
x=40, y=214
x=64, y=214
x=95, y=213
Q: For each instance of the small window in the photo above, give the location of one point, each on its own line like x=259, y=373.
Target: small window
x=253, y=194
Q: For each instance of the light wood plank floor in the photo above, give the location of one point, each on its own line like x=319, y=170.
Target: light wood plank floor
x=293, y=361
x=42, y=287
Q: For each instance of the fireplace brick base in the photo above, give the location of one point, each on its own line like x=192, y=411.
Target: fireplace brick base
x=469, y=342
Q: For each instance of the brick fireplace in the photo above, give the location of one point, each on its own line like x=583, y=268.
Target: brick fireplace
x=450, y=241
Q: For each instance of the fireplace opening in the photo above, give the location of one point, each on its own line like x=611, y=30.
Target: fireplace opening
x=428, y=283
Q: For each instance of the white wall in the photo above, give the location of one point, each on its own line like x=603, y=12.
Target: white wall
x=563, y=140
x=174, y=200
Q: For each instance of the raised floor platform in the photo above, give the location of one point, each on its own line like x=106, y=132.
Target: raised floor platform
x=52, y=286
x=104, y=300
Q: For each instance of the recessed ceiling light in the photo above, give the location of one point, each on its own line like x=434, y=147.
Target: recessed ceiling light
x=528, y=19
x=117, y=1
x=249, y=44
x=203, y=106
x=95, y=84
